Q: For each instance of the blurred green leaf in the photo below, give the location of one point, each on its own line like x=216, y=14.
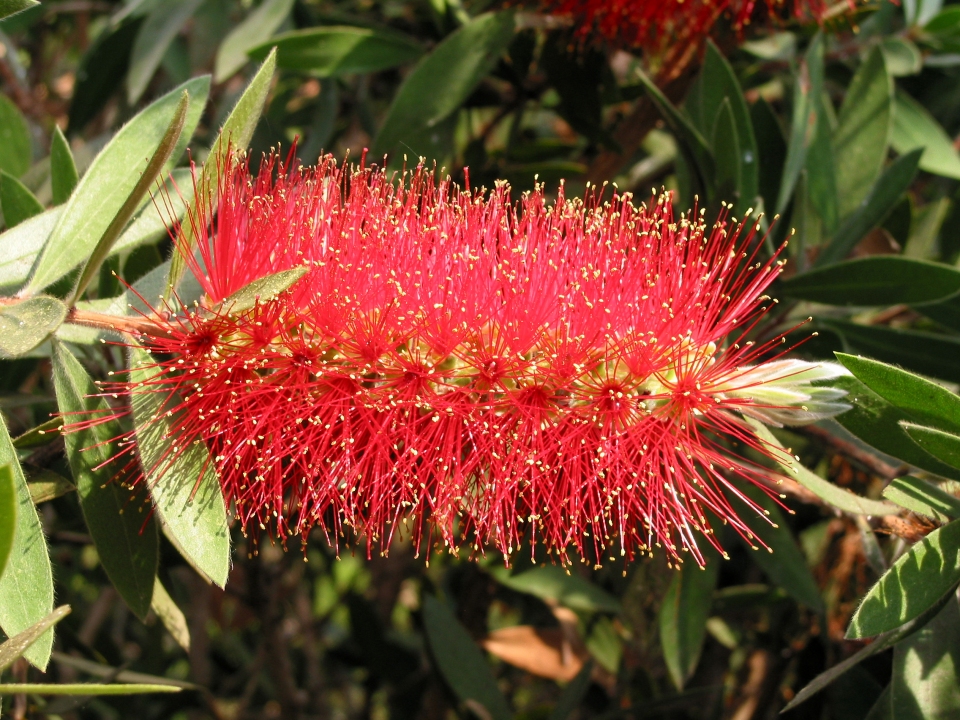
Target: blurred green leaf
x=18, y=645
x=459, y=660
x=27, y=323
x=170, y=615
x=258, y=26
x=920, y=578
x=336, y=51
x=46, y=485
x=551, y=582
x=820, y=169
x=63, y=170
x=125, y=536
x=942, y=445
x=807, y=90
x=923, y=498
x=8, y=514
x=914, y=127
x=573, y=694
x=158, y=30
x=876, y=280
x=11, y=7
x=863, y=131
x=883, y=197
x=234, y=137
x=83, y=689
x=445, y=78
x=26, y=587
x=604, y=642
x=926, y=666
x=183, y=484
x=772, y=149
x=17, y=202
x=16, y=152
x=260, y=291
x=111, y=179
x=725, y=146
x=683, y=616
x=902, y=56
x=19, y=248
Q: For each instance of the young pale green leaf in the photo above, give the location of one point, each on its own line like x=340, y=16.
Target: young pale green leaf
x=902, y=56
x=182, y=481
x=155, y=165
x=83, y=689
x=8, y=514
x=460, y=661
x=876, y=280
x=882, y=198
x=336, y=51
x=158, y=30
x=117, y=516
x=926, y=401
x=838, y=497
x=444, y=79
x=551, y=582
x=170, y=615
x=683, y=617
x=27, y=323
x=914, y=127
x=920, y=578
x=107, y=185
x=19, y=248
x=259, y=25
x=924, y=352
x=63, y=170
x=942, y=445
x=261, y=291
x=19, y=645
x=15, y=148
x=877, y=423
x=863, y=131
x=17, y=202
x=923, y=498
x=925, y=670
x=235, y=136
x=26, y=586
x=784, y=563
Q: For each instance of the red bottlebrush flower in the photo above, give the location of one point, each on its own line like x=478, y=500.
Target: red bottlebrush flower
x=571, y=373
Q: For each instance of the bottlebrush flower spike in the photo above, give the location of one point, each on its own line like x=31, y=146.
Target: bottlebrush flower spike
x=570, y=373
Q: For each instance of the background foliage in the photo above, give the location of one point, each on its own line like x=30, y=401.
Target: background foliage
x=846, y=132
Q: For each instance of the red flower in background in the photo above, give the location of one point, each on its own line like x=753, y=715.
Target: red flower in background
x=568, y=373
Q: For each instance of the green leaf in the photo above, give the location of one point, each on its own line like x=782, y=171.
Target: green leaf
x=725, y=147
x=19, y=248
x=573, y=694
x=942, y=445
x=155, y=165
x=109, y=182
x=863, y=131
x=772, y=149
x=26, y=587
x=261, y=291
x=116, y=674
x=926, y=401
x=838, y=497
x=63, y=170
x=902, y=56
x=46, y=485
x=83, y=689
x=784, y=563
x=821, y=173
x=923, y=498
x=125, y=536
x=182, y=481
x=877, y=423
x=254, y=30
x=808, y=88
x=161, y=26
x=19, y=645
x=27, y=323
x=928, y=353
x=883, y=197
x=170, y=615
x=914, y=127
x=920, y=578
x=444, y=79
x=17, y=201
x=16, y=152
x=8, y=514
x=12, y=7
x=683, y=616
x=460, y=662
x=234, y=137
x=925, y=670
x=876, y=280
x=335, y=51
x=551, y=582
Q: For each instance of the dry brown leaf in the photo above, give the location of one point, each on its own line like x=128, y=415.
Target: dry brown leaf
x=546, y=652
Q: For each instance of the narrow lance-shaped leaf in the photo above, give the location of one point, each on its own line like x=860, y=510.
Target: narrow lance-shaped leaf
x=158, y=30
x=27, y=323
x=15, y=150
x=83, y=689
x=124, y=534
x=18, y=645
x=155, y=165
x=17, y=202
x=262, y=290
x=8, y=514
x=942, y=445
x=63, y=169
x=683, y=617
x=170, y=615
x=181, y=479
x=923, y=498
x=12, y=7
x=235, y=136
x=256, y=28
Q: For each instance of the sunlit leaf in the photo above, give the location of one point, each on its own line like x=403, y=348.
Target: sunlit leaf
x=27, y=323
x=19, y=645
x=170, y=615
x=17, y=202
x=8, y=514
x=259, y=25
x=923, y=498
x=15, y=147
x=914, y=127
x=942, y=445
x=261, y=291
x=63, y=169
